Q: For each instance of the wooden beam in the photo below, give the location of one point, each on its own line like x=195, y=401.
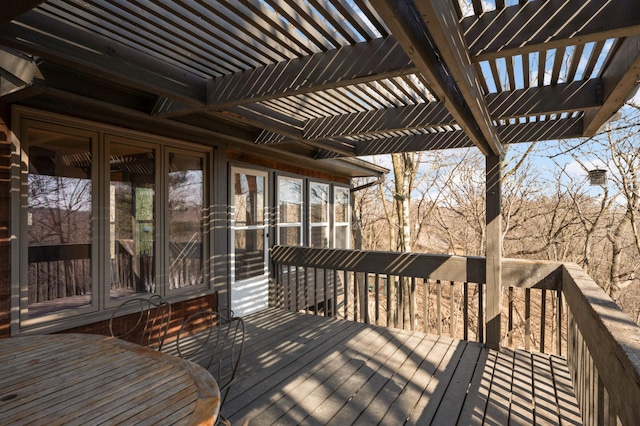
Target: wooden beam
x=109, y=113
x=619, y=79
x=548, y=24
x=494, y=250
x=100, y=57
x=432, y=39
x=17, y=71
x=511, y=133
x=565, y=128
x=367, y=61
x=433, y=141
x=564, y=97
x=574, y=96
x=13, y=9
x=362, y=123
x=266, y=120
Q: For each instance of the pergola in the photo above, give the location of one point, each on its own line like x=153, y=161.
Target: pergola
x=327, y=79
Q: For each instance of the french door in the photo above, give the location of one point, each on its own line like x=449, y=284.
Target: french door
x=249, y=241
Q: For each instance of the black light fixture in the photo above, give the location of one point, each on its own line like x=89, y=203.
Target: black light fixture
x=598, y=177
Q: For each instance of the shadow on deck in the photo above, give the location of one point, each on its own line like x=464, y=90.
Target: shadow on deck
x=305, y=369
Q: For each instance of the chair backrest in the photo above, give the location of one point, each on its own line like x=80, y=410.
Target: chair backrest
x=142, y=320
x=214, y=340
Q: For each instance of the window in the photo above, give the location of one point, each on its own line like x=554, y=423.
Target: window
x=319, y=214
x=105, y=217
x=59, y=227
x=289, y=211
x=132, y=219
x=185, y=213
x=341, y=213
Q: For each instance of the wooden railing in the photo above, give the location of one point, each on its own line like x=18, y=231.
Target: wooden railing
x=546, y=306
x=603, y=352
x=434, y=293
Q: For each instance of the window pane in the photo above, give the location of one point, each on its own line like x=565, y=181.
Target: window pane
x=319, y=237
x=289, y=235
x=342, y=205
x=59, y=221
x=342, y=235
x=132, y=220
x=249, y=253
x=290, y=200
x=186, y=203
x=319, y=202
x=249, y=200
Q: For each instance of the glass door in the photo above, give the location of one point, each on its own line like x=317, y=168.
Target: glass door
x=249, y=227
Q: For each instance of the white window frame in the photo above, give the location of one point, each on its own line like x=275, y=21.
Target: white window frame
x=336, y=224
x=326, y=224
x=279, y=223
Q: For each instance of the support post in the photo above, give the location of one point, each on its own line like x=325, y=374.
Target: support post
x=494, y=250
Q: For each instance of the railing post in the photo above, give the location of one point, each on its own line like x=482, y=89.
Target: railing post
x=494, y=249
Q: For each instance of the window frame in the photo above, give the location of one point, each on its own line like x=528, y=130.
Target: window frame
x=300, y=224
x=20, y=207
x=336, y=224
x=328, y=211
x=102, y=135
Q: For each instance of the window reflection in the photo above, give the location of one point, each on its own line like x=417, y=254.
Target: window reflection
x=59, y=221
x=186, y=204
x=132, y=220
x=249, y=244
x=289, y=211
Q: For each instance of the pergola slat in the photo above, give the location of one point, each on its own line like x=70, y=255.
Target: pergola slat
x=13, y=9
x=380, y=58
x=117, y=63
x=523, y=28
x=513, y=133
x=574, y=96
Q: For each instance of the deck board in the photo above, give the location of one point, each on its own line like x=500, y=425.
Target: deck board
x=306, y=369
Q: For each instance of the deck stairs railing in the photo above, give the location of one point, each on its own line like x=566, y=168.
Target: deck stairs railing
x=546, y=306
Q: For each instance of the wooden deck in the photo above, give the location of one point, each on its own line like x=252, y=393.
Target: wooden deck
x=305, y=369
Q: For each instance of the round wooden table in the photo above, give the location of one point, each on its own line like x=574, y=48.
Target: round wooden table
x=90, y=379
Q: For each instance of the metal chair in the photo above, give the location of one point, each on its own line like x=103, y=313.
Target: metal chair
x=214, y=339
x=142, y=320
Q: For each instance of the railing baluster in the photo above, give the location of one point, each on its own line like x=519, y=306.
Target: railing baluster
x=510, y=319
x=389, y=301
x=400, y=307
x=412, y=306
x=377, y=298
x=306, y=289
x=365, y=298
x=296, y=289
x=325, y=291
x=356, y=300
x=334, y=307
x=425, y=302
x=465, y=289
x=527, y=319
x=439, y=307
x=543, y=317
x=452, y=310
x=346, y=294
x=480, y=312
x=286, y=290
x=559, y=324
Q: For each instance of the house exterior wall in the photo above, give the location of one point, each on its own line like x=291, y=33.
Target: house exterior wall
x=217, y=295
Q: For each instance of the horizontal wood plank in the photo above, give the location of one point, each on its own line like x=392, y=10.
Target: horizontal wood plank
x=306, y=369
